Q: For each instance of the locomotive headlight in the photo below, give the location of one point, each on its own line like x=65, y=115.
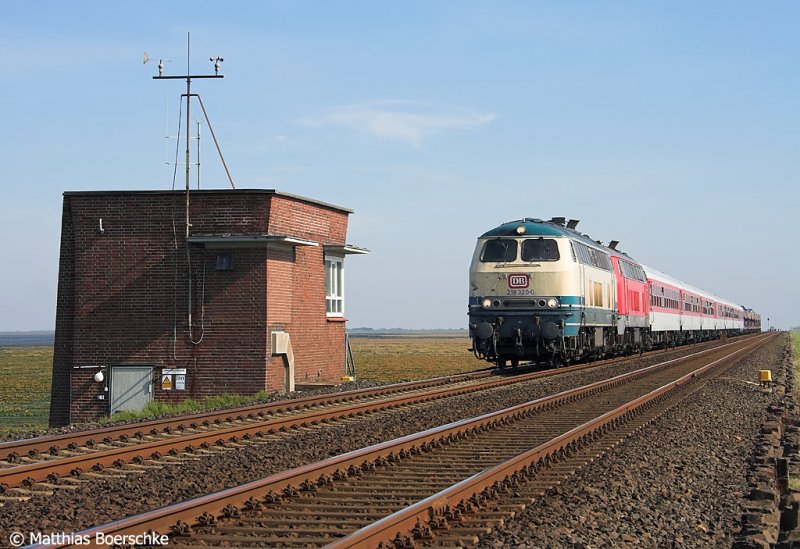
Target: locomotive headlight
x=521, y=229
x=552, y=303
x=487, y=303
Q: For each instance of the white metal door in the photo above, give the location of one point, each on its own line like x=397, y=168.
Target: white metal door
x=131, y=387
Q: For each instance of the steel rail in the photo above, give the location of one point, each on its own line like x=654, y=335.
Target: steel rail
x=53, y=469
x=117, y=456
x=176, y=518
x=418, y=517
x=12, y=450
x=33, y=446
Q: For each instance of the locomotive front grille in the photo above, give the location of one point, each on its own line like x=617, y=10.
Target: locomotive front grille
x=527, y=303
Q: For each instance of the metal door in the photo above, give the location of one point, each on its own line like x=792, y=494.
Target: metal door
x=131, y=387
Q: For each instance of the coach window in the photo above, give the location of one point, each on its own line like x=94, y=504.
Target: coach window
x=540, y=249
x=334, y=286
x=499, y=250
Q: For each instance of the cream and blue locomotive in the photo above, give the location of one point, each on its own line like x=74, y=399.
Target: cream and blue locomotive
x=542, y=291
x=539, y=290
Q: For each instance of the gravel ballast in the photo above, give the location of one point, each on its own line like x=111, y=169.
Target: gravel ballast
x=680, y=482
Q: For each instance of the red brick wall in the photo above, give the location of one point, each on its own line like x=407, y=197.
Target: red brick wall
x=296, y=291
x=121, y=294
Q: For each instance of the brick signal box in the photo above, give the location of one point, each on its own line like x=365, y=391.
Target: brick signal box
x=145, y=313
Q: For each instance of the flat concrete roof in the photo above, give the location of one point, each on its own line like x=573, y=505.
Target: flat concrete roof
x=213, y=191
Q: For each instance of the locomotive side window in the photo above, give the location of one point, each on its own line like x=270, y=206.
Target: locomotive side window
x=631, y=271
x=499, y=250
x=593, y=257
x=540, y=249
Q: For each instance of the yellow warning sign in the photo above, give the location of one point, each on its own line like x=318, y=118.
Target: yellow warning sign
x=166, y=383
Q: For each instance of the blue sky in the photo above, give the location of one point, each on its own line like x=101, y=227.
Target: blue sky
x=670, y=126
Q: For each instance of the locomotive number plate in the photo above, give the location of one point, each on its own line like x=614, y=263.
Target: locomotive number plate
x=519, y=292
x=518, y=281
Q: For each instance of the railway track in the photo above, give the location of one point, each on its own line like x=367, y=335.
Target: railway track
x=440, y=486
x=51, y=462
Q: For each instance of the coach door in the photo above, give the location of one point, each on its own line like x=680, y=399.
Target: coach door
x=131, y=387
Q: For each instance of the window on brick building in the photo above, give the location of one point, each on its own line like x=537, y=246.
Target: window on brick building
x=334, y=286
x=224, y=262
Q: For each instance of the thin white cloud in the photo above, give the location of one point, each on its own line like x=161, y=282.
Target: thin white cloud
x=282, y=139
x=399, y=120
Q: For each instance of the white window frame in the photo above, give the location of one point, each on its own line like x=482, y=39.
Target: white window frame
x=334, y=286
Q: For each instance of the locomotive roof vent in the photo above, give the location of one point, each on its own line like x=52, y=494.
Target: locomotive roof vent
x=559, y=221
x=572, y=223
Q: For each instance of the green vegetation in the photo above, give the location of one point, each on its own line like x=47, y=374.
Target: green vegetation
x=407, y=358
x=25, y=375
x=796, y=343
x=187, y=406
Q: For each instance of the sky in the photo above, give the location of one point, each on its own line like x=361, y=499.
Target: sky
x=673, y=127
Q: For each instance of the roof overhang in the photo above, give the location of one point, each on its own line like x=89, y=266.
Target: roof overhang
x=347, y=249
x=228, y=241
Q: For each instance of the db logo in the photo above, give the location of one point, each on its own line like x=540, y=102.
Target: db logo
x=518, y=281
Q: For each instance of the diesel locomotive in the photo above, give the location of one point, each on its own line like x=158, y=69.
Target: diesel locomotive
x=542, y=291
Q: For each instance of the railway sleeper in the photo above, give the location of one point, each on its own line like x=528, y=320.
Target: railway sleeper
x=551, y=476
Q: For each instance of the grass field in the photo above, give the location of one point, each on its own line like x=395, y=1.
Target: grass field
x=796, y=341
x=405, y=358
x=25, y=375
x=24, y=387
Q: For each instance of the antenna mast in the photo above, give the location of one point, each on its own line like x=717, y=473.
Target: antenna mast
x=188, y=95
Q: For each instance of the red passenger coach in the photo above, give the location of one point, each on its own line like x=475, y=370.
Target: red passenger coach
x=632, y=299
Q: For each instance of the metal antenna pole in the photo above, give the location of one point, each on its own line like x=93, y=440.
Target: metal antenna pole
x=198, y=155
x=188, y=129
x=188, y=77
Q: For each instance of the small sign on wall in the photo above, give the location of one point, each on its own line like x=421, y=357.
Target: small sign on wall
x=173, y=379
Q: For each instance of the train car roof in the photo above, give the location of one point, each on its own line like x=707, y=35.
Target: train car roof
x=539, y=227
x=655, y=274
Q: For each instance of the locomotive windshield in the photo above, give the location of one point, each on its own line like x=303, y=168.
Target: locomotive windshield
x=499, y=250
x=540, y=249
